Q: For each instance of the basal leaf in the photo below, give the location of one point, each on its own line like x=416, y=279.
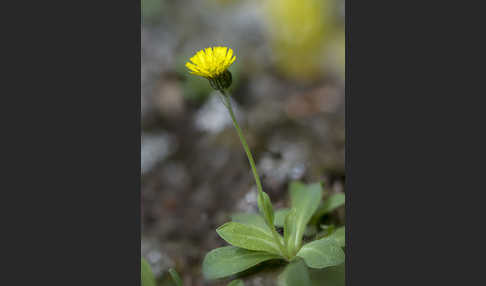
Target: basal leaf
x=322, y=253
x=333, y=202
x=329, y=205
x=340, y=236
x=266, y=208
x=147, y=276
x=249, y=219
x=331, y=276
x=229, y=260
x=280, y=216
x=237, y=282
x=305, y=199
x=289, y=231
x=248, y=237
x=295, y=274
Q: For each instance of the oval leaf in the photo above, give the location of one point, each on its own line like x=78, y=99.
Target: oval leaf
x=266, y=208
x=305, y=199
x=296, y=273
x=250, y=219
x=340, y=236
x=280, y=216
x=334, y=276
x=333, y=202
x=229, y=260
x=322, y=253
x=248, y=237
x=289, y=231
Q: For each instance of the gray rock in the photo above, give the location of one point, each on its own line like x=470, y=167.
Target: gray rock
x=156, y=147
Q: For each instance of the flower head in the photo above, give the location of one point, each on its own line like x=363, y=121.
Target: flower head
x=211, y=62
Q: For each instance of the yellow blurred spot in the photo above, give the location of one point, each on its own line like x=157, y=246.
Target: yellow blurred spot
x=298, y=31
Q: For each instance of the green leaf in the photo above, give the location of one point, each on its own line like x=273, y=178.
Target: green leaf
x=298, y=191
x=329, y=205
x=147, y=276
x=340, y=236
x=280, y=216
x=322, y=253
x=266, y=208
x=295, y=273
x=237, y=282
x=289, y=231
x=250, y=219
x=332, y=276
x=305, y=199
x=248, y=237
x=229, y=260
x=175, y=277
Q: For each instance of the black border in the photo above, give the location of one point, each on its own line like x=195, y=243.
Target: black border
x=67, y=160
x=73, y=144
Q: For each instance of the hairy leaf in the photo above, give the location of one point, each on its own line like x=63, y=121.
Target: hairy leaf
x=340, y=236
x=322, y=253
x=248, y=237
x=280, y=216
x=334, y=276
x=289, y=231
x=250, y=219
x=305, y=199
x=329, y=205
x=266, y=208
x=295, y=273
x=229, y=260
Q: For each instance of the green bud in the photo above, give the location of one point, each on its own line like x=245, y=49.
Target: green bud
x=222, y=81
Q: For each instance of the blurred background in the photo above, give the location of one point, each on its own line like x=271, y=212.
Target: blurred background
x=288, y=91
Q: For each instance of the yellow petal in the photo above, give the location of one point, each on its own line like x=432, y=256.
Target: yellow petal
x=211, y=62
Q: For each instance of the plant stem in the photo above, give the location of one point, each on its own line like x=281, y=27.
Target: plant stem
x=243, y=142
x=227, y=103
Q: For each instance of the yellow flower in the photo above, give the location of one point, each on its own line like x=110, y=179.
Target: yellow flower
x=211, y=63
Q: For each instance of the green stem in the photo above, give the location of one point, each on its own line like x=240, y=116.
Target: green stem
x=243, y=142
x=227, y=103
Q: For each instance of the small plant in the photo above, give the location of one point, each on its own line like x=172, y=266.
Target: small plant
x=253, y=243
x=254, y=238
